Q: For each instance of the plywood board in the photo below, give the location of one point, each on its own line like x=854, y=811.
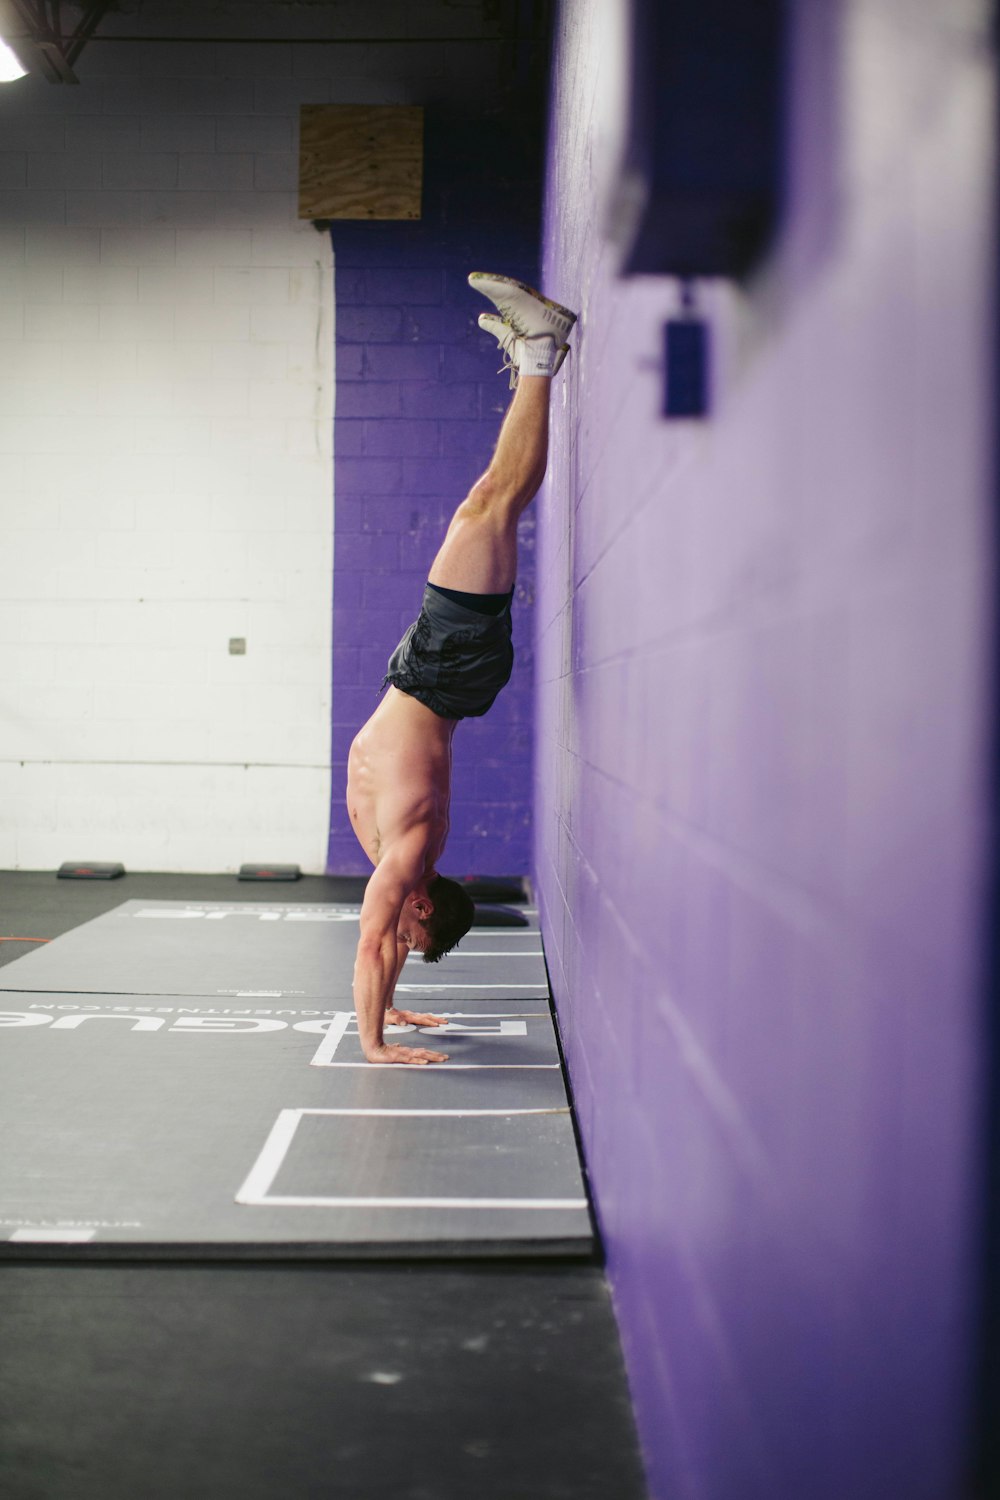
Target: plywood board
x=360, y=161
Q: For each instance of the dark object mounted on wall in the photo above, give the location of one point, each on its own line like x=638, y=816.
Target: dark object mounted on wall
x=685, y=354
x=494, y=887
x=695, y=142
x=499, y=916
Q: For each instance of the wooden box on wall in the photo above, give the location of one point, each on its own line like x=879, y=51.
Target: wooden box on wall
x=361, y=161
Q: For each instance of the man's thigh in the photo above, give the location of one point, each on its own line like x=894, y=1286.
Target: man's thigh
x=479, y=552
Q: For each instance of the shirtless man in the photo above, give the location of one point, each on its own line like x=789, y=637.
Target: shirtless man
x=450, y=665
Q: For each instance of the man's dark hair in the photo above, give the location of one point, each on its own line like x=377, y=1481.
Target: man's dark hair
x=451, y=918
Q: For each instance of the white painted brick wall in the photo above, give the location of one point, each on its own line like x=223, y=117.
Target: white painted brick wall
x=166, y=349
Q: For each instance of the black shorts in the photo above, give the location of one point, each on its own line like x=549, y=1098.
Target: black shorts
x=452, y=659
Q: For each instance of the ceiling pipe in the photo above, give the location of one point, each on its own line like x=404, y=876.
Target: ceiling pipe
x=33, y=29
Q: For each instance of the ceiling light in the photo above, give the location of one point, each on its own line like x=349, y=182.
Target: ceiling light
x=10, y=68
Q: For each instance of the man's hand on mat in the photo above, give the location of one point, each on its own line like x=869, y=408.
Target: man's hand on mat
x=397, y=1054
x=396, y=1017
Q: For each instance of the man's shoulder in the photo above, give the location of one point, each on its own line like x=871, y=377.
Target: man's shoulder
x=401, y=866
x=407, y=847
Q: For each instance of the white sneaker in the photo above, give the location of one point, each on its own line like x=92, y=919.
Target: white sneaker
x=527, y=311
x=513, y=348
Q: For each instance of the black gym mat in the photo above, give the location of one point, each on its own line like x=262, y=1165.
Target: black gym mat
x=184, y=1079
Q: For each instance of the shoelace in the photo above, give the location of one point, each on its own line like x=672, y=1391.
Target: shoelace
x=510, y=339
x=508, y=364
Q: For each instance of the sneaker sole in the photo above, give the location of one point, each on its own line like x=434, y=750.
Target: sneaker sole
x=564, y=314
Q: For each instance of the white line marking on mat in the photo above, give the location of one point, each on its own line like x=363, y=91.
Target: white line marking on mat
x=273, y=1153
x=558, y=1203
x=415, y=958
x=562, y=1109
x=487, y=934
x=51, y=1236
x=488, y=1015
x=341, y=1019
x=433, y=988
x=254, y=1192
x=332, y=1038
x=438, y=1067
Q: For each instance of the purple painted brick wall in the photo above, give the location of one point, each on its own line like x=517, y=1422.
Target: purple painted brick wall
x=418, y=408
x=763, y=702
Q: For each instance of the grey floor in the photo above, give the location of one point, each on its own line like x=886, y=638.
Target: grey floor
x=501, y=1379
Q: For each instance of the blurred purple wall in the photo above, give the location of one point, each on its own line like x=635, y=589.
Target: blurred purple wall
x=418, y=409
x=763, y=710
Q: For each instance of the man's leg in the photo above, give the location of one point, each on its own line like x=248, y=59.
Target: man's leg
x=479, y=552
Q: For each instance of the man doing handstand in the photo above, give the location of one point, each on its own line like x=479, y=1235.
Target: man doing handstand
x=450, y=665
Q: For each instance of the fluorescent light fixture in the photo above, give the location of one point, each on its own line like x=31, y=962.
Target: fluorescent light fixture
x=10, y=68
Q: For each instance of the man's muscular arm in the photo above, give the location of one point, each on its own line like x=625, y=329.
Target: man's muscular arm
x=396, y=1017
x=380, y=956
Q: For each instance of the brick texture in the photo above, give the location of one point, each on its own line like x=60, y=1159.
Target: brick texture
x=166, y=372
x=762, y=733
x=418, y=409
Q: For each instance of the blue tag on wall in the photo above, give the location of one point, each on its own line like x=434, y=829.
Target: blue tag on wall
x=686, y=350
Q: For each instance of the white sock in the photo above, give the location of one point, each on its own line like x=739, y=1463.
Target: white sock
x=536, y=355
